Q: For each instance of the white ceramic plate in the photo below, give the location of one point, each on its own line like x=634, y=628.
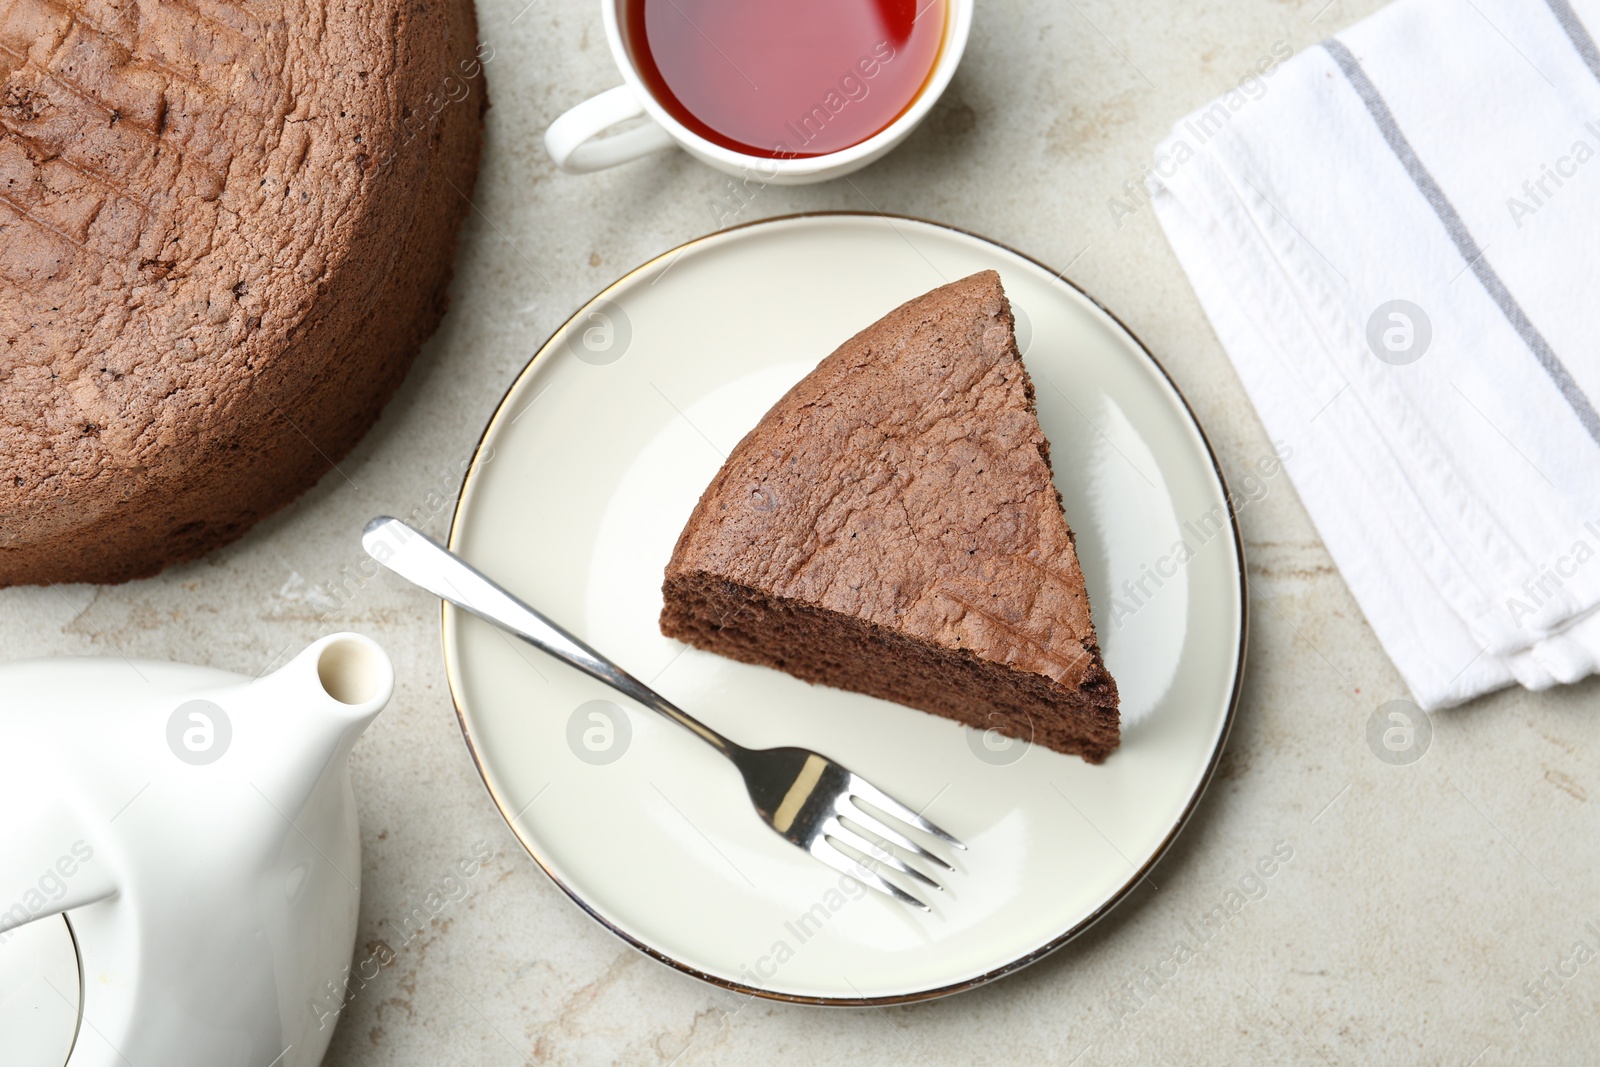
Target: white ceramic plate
x=583, y=480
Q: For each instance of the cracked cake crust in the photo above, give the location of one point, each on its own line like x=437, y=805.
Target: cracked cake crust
x=225, y=231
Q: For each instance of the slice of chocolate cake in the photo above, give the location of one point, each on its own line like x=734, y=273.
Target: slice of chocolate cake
x=891, y=527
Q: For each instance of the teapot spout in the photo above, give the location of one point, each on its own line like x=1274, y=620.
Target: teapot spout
x=354, y=672
x=328, y=695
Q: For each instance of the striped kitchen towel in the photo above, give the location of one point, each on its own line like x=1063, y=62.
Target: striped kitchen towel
x=1398, y=244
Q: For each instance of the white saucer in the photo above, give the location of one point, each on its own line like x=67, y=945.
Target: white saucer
x=586, y=475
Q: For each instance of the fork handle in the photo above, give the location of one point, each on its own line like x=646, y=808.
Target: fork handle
x=421, y=560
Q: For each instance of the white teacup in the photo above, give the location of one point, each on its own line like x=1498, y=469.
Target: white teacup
x=575, y=144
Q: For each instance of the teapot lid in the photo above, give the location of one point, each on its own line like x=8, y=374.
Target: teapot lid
x=41, y=994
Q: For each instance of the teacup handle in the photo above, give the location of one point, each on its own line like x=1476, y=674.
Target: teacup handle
x=570, y=138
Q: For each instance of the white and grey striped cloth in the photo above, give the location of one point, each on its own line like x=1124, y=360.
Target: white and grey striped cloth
x=1398, y=244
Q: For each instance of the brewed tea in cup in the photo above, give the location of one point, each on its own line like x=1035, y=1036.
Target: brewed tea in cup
x=783, y=78
x=792, y=90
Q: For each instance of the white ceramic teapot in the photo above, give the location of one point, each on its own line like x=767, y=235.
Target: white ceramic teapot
x=179, y=857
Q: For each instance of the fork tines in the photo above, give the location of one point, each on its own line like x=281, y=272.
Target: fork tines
x=855, y=816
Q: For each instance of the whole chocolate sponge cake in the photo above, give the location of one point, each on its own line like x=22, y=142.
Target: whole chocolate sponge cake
x=891, y=527
x=225, y=230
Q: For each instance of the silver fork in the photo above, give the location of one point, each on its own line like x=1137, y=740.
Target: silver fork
x=813, y=802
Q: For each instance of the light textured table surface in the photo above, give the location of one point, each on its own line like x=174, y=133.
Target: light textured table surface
x=1423, y=904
